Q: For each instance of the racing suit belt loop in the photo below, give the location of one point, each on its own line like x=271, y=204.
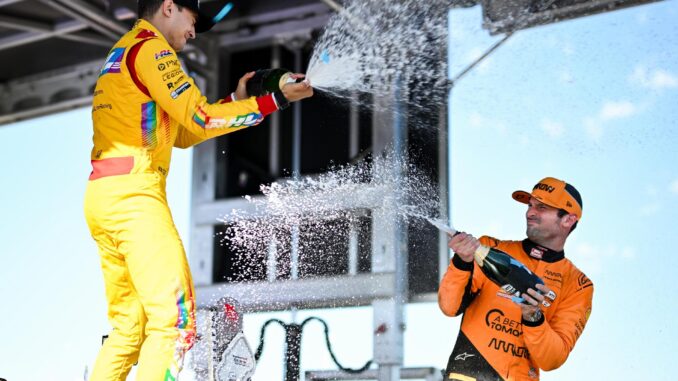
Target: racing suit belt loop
x=111, y=167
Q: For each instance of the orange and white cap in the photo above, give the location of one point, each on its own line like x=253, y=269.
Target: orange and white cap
x=555, y=193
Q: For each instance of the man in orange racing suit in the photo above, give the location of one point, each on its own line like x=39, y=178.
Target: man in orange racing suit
x=145, y=104
x=500, y=339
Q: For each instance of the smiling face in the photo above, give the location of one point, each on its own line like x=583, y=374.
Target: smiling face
x=544, y=226
x=181, y=26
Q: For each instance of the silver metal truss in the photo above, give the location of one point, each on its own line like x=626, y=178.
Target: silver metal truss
x=500, y=16
x=426, y=374
x=48, y=92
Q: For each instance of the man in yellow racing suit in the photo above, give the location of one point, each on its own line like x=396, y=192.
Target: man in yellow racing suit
x=144, y=105
x=500, y=339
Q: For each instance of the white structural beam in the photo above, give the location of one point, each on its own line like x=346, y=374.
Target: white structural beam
x=8, y=2
x=24, y=24
x=427, y=374
x=48, y=92
x=24, y=38
x=95, y=16
x=40, y=28
x=45, y=110
x=80, y=18
x=321, y=292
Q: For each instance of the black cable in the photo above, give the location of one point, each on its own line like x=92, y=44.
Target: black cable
x=260, y=349
x=261, y=336
x=329, y=349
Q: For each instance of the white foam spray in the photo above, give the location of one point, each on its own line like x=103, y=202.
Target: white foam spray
x=370, y=47
x=341, y=194
x=370, y=44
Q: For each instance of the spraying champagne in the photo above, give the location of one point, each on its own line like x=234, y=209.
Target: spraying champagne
x=507, y=272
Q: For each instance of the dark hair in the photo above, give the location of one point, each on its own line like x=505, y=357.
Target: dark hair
x=562, y=213
x=147, y=8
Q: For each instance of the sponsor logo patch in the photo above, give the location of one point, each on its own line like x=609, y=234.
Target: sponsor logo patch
x=510, y=289
x=104, y=106
x=113, y=61
x=583, y=282
x=537, y=253
x=462, y=356
x=496, y=321
x=216, y=123
x=162, y=66
x=185, y=86
x=163, y=54
x=246, y=120
x=167, y=76
x=510, y=348
x=544, y=187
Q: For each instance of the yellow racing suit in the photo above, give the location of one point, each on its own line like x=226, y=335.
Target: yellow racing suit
x=494, y=342
x=144, y=105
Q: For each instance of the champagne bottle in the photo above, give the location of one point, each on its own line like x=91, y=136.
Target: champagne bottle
x=507, y=272
x=268, y=81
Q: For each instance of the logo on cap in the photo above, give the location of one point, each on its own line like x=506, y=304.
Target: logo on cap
x=555, y=193
x=544, y=187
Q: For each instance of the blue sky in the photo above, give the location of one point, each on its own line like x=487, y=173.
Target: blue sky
x=592, y=101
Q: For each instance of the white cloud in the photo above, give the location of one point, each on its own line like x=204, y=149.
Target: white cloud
x=674, y=187
x=591, y=258
x=479, y=121
x=654, y=79
x=552, y=129
x=611, y=110
x=662, y=78
x=617, y=110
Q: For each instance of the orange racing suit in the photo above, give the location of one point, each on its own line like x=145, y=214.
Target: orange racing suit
x=494, y=342
x=144, y=105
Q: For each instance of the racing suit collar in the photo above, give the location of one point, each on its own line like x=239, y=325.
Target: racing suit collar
x=146, y=25
x=542, y=253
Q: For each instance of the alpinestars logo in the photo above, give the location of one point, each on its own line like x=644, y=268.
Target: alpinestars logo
x=462, y=356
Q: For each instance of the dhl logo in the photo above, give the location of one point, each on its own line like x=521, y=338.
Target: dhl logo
x=245, y=120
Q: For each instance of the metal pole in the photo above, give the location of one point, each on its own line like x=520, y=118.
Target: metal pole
x=296, y=108
x=292, y=351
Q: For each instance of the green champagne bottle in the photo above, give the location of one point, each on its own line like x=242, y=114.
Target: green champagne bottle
x=268, y=81
x=502, y=269
x=507, y=272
